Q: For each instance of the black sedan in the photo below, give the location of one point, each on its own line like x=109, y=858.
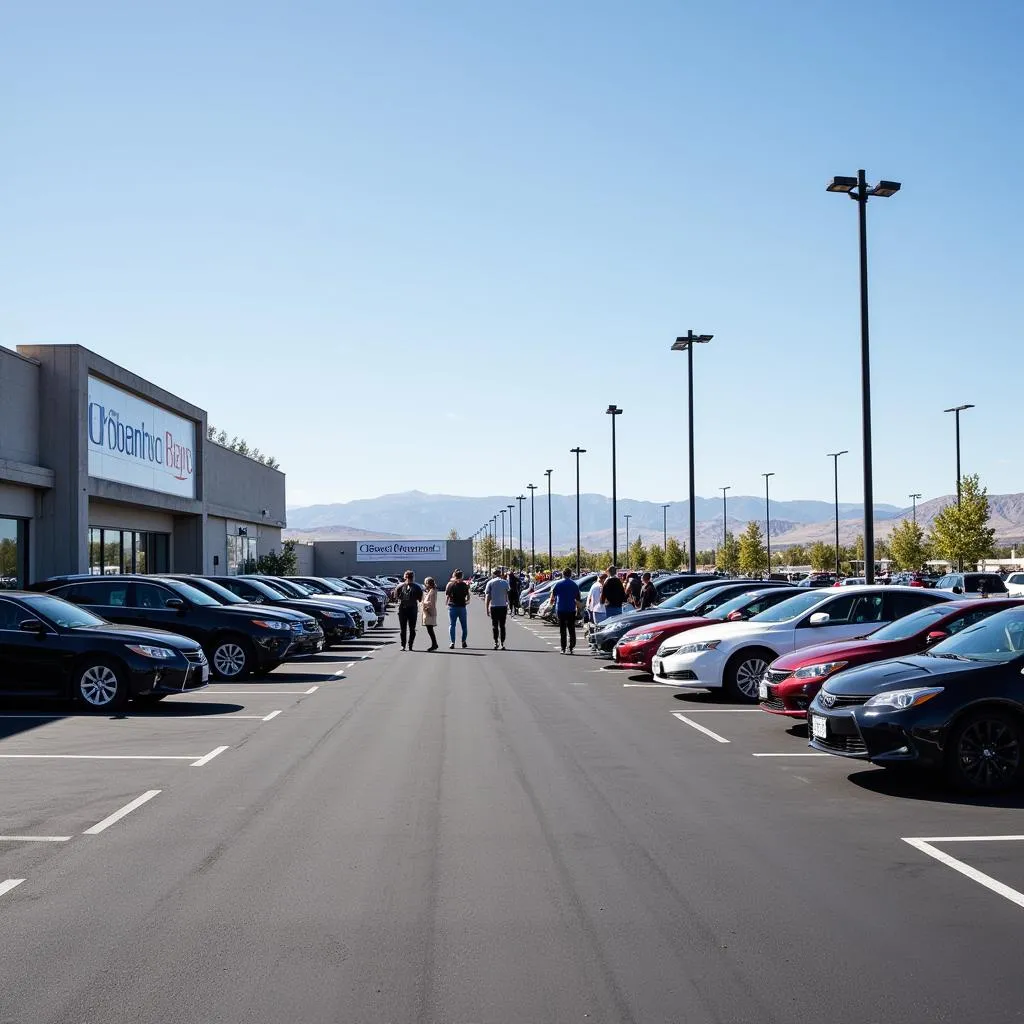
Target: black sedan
x=958, y=709
x=52, y=648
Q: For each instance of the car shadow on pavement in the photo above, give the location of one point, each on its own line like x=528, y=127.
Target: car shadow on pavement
x=695, y=698
x=171, y=710
x=908, y=784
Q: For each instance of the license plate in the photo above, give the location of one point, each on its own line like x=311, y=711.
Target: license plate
x=762, y=690
x=819, y=727
x=656, y=666
x=206, y=673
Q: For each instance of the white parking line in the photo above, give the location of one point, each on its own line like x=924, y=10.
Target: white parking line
x=9, y=884
x=642, y=686
x=722, y=711
x=207, y=694
x=98, y=757
x=273, y=714
x=111, y=819
x=925, y=846
x=207, y=758
x=699, y=728
x=34, y=839
x=792, y=754
x=340, y=672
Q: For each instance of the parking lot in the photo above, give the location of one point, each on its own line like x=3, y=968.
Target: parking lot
x=70, y=776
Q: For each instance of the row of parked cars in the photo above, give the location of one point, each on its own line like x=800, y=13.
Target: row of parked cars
x=103, y=640
x=896, y=675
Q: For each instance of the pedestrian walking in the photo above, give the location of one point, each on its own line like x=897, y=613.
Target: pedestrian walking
x=566, y=595
x=648, y=595
x=613, y=594
x=456, y=595
x=429, y=610
x=408, y=594
x=496, y=606
x=514, y=587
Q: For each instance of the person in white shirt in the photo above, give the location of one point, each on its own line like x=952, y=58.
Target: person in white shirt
x=496, y=605
x=594, y=606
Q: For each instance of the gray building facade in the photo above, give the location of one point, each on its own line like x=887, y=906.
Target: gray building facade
x=341, y=558
x=103, y=471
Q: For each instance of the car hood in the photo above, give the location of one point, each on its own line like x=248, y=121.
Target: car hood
x=900, y=673
x=857, y=651
x=666, y=627
x=140, y=635
x=627, y=620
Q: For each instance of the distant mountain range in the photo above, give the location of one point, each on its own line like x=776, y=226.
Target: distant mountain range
x=432, y=516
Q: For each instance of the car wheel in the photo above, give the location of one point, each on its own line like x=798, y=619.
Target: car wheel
x=100, y=685
x=744, y=672
x=230, y=658
x=985, y=751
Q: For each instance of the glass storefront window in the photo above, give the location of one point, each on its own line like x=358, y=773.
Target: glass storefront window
x=241, y=551
x=13, y=553
x=117, y=551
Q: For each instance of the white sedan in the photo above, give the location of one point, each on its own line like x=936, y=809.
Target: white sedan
x=735, y=655
x=1015, y=584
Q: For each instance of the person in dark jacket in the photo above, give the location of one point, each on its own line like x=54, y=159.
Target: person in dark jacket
x=613, y=593
x=633, y=589
x=408, y=595
x=648, y=595
x=514, y=588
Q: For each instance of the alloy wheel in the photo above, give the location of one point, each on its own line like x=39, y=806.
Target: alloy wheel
x=98, y=686
x=989, y=754
x=749, y=674
x=229, y=660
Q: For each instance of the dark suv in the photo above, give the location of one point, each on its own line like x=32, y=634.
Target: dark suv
x=974, y=584
x=237, y=640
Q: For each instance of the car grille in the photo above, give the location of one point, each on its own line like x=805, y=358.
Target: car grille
x=774, y=703
x=843, y=744
x=776, y=675
x=195, y=657
x=311, y=626
x=842, y=700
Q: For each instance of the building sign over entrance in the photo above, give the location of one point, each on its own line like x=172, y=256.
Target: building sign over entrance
x=132, y=441
x=401, y=551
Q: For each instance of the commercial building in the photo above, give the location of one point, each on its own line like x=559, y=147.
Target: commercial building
x=387, y=557
x=103, y=471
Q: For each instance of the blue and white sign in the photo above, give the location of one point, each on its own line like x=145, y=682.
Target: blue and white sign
x=132, y=441
x=401, y=551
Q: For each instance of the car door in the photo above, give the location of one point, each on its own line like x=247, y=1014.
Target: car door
x=30, y=662
x=842, y=615
x=107, y=598
x=149, y=608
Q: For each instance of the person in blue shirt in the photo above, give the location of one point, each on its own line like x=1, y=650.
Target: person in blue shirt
x=566, y=593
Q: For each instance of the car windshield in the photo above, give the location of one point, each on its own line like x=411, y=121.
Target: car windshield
x=315, y=586
x=62, y=613
x=790, y=609
x=686, y=595
x=704, y=598
x=197, y=597
x=734, y=604
x=290, y=588
x=910, y=624
x=1000, y=637
x=223, y=595
x=266, y=589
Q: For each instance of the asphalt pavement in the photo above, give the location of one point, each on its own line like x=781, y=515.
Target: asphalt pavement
x=490, y=837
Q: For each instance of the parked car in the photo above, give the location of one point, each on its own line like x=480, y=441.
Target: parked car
x=973, y=584
x=957, y=709
x=338, y=623
x=850, y=581
x=638, y=646
x=330, y=587
x=818, y=579
x=735, y=657
x=1015, y=584
x=50, y=647
x=789, y=685
x=237, y=641
x=353, y=602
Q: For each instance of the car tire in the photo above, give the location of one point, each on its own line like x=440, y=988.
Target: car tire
x=230, y=658
x=100, y=685
x=985, y=752
x=743, y=673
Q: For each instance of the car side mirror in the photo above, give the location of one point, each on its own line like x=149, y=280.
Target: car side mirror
x=734, y=617
x=819, y=619
x=935, y=636
x=175, y=602
x=957, y=590
x=32, y=626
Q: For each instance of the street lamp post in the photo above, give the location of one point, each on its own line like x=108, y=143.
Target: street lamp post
x=725, y=528
x=664, y=526
x=956, y=410
x=613, y=411
x=494, y=531
x=627, y=517
x=533, y=540
x=521, y=498
x=502, y=562
x=834, y=456
x=551, y=549
x=511, y=509
x=578, y=452
x=679, y=345
x=858, y=190
x=768, y=522
x=913, y=511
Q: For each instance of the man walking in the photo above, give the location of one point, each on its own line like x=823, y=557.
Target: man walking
x=566, y=593
x=457, y=597
x=613, y=593
x=514, y=586
x=648, y=595
x=496, y=605
x=408, y=595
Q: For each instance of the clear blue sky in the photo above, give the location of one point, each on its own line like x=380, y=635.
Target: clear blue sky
x=405, y=245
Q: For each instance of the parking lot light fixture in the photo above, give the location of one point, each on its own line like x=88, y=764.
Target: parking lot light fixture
x=915, y=498
x=834, y=456
x=768, y=522
x=685, y=344
x=511, y=508
x=664, y=526
x=521, y=498
x=627, y=517
x=501, y=562
x=533, y=539
x=577, y=451
x=956, y=410
x=551, y=547
x=725, y=518
x=858, y=190
x=613, y=411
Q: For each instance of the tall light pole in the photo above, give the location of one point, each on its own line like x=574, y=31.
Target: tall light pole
x=533, y=540
x=613, y=411
x=914, y=498
x=768, y=522
x=679, y=345
x=664, y=526
x=834, y=456
x=511, y=509
x=725, y=527
x=502, y=561
x=494, y=531
x=627, y=517
x=551, y=548
x=956, y=410
x=857, y=189
x=521, y=498
x=578, y=452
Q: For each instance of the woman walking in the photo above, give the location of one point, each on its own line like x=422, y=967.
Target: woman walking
x=429, y=611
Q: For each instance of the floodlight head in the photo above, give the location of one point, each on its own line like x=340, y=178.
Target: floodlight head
x=885, y=189
x=683, y=343
x=612, y=410
x=959, y=408
x=841, y=184
x=578, y=451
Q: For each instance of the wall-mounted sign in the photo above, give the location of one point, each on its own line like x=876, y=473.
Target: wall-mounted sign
x=401, y=551
x=132, y=441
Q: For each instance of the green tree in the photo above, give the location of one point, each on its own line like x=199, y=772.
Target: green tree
x=822, y=556
x=673, y=554
x=706, y=557
x=906, y=545
x=753, y=555
x=728, y=557
x=964, y=533
x=486, y=551
x=284, y=564
x=655, y=557
x=637, y=554
x=796, y=555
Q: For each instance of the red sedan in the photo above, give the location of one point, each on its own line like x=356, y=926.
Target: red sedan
x=637, y=647
x=792, y=681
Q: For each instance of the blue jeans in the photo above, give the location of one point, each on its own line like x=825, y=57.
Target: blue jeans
x=612, y=609
x=456, y=613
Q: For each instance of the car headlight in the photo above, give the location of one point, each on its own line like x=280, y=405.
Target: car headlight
x=642, y=637
x=698, y=648
x=819, y=671
x=335, y=615
x=160, y=653
x=271, y=623
x=898, y=700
